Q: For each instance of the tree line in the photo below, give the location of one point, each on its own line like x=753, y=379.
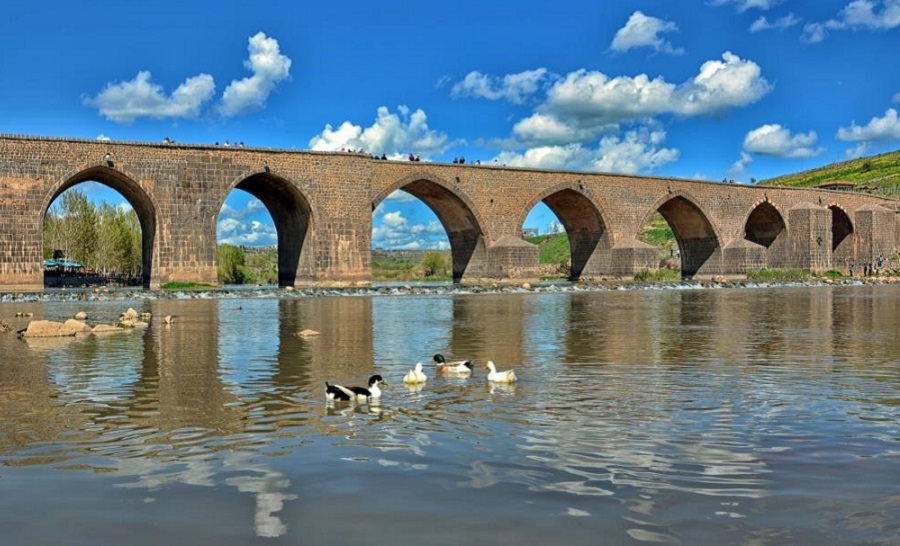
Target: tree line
x=104, y=238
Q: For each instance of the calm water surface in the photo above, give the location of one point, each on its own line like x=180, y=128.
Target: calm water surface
x=744, y=416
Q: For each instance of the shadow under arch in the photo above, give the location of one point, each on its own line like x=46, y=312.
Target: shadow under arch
x=456, y=214
x=139, y=200
x=766, y=227
x=292, y=215
x=583, y=222
x=841, y=227
x=696, y=238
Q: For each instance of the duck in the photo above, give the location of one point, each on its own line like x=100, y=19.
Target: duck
x=458, y=367
x=507, y=376
x=415, y=376
x=358, y=394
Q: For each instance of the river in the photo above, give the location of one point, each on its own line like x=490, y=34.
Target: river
x=698, y=416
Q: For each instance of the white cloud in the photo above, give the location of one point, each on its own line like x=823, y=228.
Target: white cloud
x=126, y=101
x=777, y=141
x=103, y=137
x=739, y=167
x=393, y=230
x=762, y=23
x=584, y=104
x=392, y=134
x=515, y=88
x=744, y=5
x=636, y=151
x=269, y=68
x=857, y=15
x=884, y=128
x=857, y=151
x=644, y=31
x=896, y=98
x=243, y=226
x=813, y=33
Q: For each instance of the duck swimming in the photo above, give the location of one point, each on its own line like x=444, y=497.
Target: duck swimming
x=507, y=376
x=415, y=376
x=359, y=394
x=458, y=367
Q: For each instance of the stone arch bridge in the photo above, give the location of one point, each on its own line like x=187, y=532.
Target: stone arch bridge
x=322, y=203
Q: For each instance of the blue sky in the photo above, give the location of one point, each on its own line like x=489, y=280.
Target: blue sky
x=709, y=89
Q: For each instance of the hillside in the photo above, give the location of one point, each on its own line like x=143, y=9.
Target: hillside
x=877, y=174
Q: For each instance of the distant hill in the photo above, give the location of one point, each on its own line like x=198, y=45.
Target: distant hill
x=877, y=174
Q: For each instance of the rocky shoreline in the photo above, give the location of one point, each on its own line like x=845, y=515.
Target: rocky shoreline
x=122, y=294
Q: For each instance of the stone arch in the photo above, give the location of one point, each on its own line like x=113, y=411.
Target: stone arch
x=293, y=217
x=697, y=240
x=765, y=226
x=458, y=216
x=137, y=197
x=584, y=225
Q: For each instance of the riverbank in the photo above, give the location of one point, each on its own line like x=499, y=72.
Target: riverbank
x=420, y=288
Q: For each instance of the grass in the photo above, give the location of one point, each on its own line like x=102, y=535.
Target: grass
x=879, y=174
x=554, y=247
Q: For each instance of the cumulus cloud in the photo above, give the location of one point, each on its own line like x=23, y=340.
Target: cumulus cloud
x=249, y=225
x=516, y=88
x=777, y=141
x=269, y=67
x=635, y=151
x=253, y=233
x=744, y=5
x=126, y=101
x=883, y=128
x=857, y=15
x=762, y=23
x=393, y=134
x=584, y=104
x=644, y=31
x=393, y=230
x=896, y=98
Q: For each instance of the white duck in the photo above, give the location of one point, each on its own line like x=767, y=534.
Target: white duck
x=507, y=376
x=359, y=394
x=415, y=376
x=458, y=367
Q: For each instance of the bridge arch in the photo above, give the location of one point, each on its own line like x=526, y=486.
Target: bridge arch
x=766, y=227
x=698, y=242
x=142, y=203
x=456, y=213
x=293, y=217
x=583, y=221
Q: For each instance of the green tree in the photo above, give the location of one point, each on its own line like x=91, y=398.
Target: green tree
x=434, y=264
x=80, y=220
x=232, y=269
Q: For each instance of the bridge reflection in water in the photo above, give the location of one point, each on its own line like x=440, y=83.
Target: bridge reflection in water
x=693, y=416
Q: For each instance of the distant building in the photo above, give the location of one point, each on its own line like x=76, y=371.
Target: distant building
x=529, y=232
x=837, y=185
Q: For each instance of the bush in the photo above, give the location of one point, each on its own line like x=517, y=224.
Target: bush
x=657, y=275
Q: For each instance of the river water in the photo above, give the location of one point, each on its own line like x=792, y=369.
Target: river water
x=703, y=416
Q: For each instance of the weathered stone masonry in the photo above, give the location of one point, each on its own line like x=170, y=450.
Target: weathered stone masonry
x=322, y=203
